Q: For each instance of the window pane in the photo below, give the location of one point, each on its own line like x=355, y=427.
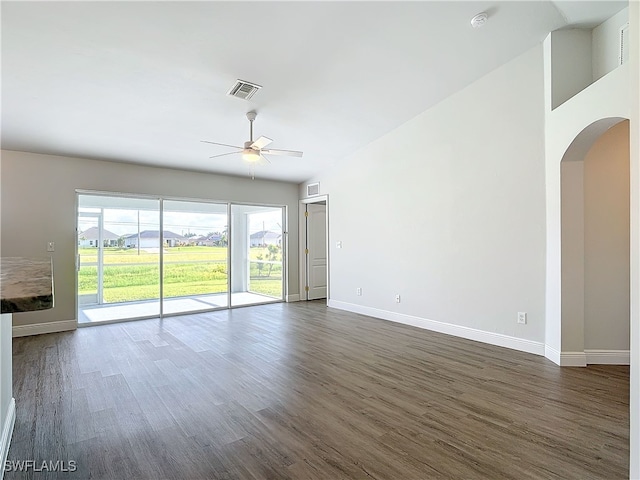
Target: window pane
x=257, y=254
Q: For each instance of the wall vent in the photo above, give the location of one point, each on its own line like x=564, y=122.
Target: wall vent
x=624, y=44
x=313, y=189
x=243, y=89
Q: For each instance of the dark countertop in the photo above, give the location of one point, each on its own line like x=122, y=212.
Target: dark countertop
x=26, y=284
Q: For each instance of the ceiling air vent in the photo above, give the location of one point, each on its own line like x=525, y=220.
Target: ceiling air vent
x=313, y=189
x=243, y=89
x=624, y=44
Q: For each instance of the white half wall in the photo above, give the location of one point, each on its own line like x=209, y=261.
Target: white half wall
x=447, y=211
x=634, y=130
x=38, y=205
x=570, y=63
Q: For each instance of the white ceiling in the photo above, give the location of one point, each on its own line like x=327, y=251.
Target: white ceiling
x=588, y=14
x=145, y=82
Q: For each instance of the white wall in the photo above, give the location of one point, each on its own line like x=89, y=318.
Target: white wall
x=5, y=365
x=606, y=44
x=570, y=63
x=634, y=129
x=38, y=205
x=456, y=200
x=7, y=414
x=572, y=178
x=606, y=242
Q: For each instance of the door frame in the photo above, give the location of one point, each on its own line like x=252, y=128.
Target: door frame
x=99, y=257
x=303, y=242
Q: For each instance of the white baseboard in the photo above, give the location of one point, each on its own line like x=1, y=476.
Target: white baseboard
x=7, y=432
x=293, y=298
x=45, y=327
x=588, y=357
x=608, y=357
x=552, y=354
x=573, y=359
x=497, y=339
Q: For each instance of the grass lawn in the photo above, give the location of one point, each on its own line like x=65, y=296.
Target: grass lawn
x=187, y=271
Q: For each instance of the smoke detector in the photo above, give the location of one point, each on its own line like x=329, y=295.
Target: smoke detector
x=479, y=20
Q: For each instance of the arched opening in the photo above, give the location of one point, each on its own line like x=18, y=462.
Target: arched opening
x=595, y=245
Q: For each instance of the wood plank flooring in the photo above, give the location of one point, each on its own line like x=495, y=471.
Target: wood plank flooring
x=301, y=391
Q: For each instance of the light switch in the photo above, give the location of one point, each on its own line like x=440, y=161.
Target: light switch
x=338, y=244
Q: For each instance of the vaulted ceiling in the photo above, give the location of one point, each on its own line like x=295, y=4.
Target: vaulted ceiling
x=145, y=82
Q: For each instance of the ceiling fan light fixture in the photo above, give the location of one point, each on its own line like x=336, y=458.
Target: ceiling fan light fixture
x=250, y=155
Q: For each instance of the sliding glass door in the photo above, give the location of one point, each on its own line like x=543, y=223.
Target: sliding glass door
x=141, y=257
x=118, y=260
x=195, y=272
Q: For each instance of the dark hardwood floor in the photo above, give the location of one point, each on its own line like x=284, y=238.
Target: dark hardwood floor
x=301, y=391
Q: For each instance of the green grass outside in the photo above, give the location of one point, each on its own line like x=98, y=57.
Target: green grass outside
x=124, y=282
x=114, y=255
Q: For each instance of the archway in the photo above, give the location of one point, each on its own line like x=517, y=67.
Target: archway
x=595, y=261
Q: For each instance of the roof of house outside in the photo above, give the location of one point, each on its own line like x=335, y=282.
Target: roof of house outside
x=265, y=234
x=92, y=234
x=156, y=234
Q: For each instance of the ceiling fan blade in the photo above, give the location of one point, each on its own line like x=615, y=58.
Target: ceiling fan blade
x=223, y=154
x=261, y=142
x=223, y=144
x=263, y=156
x=288, y=153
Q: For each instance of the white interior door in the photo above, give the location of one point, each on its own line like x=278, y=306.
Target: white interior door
x=316, y=256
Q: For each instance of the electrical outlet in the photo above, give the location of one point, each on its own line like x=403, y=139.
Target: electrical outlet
x=338, y=244
x=359, y=291
x=397, y=298
x=522, y=317
x=51, y=247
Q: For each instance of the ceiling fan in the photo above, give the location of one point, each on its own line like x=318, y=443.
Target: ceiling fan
x=253, y=151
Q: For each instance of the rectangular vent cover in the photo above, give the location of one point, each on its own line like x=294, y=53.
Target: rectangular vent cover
x=313, y=189
x=624, y=45
x=243, y=89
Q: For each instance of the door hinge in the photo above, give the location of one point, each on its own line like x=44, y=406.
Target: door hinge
x=306, y=251
x=306, y=214
x=306, y=289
